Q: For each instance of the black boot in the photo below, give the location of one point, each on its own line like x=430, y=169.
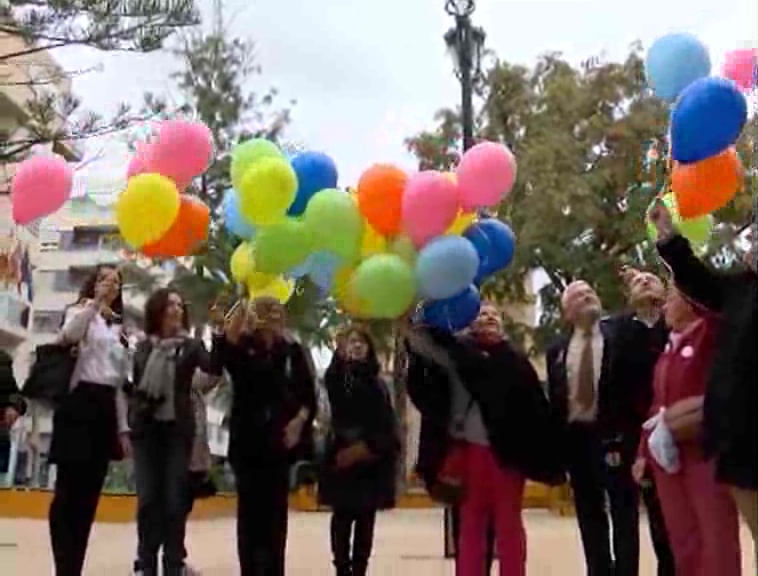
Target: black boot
x=343, y=569
x=360, y=568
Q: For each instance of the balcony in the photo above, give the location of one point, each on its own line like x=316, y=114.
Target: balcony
x=14, y=318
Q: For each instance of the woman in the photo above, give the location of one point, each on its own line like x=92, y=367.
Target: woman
x=89, y=427
x=359, y=474
x=486, y=428
x=12, y=407
x=700, y=515
x=273, y=406
x=162, y=421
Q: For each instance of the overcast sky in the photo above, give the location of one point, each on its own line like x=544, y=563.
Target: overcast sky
x=368, y=73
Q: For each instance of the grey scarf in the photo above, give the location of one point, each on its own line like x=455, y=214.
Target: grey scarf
x=159, y=375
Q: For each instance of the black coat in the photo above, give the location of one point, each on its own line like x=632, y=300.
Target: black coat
x=269, y=388
x=361, y=411
x=514, y=408
x=731, y=399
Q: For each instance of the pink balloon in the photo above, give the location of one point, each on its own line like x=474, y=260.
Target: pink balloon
x=182, y=150
x=42, y=185
x=740, y=66
x=486, y=175
x=430, y=205
x=140, y=162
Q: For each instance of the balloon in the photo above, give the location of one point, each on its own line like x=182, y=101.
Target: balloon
x=674, y=62
x=495, y=243
x=696, y=230
x=140, y=162
x=445, y=267
x=335, y=223
x=708, y=118
x=233, y=220
x=342, y=289
x=461, y=222
x=247, y=153
x=315, y=172
x=740, y=67
x=372, y=242
x=278, y=288
x=385, y=285
x=242, y=262
x=380, y=197
x=453, y=314
x=282, y=246
x=706, y=186
x=42, y=185
x=323, y=266
x=486, y=175
x=147, y=209
x=403, y=247
x=182, y=150
x=267, y=190
x=430, y=205
x=189, y=230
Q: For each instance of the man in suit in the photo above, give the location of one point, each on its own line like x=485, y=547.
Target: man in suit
x=601, y=435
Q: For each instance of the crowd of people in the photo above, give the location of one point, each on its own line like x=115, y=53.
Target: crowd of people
x=656, y=403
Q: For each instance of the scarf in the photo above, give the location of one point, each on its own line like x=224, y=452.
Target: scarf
x=159, y=375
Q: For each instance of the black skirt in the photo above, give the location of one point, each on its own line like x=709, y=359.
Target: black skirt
x=85, y=426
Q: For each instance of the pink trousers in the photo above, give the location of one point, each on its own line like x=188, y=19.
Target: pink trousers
x=701, y=520
x=491, y=491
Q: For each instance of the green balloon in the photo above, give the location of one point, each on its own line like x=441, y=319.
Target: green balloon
x=403, y=247
x=248, y=153
x=696, y=230
x=283, y=246
x=336, y=223
x=384, y=285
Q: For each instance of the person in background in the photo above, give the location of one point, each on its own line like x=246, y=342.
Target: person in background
x=273, y=406
x=700, y=515
x=162, y=422
x=600, y=425
x=730, y=427
x=490, y=429
x=12, y=407
x=360, y=465
x=89, y=427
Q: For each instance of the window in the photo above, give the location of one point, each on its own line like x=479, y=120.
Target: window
x=47, y=322
x=85, y=238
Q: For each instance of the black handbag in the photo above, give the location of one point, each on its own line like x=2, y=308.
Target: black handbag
x=50, y=374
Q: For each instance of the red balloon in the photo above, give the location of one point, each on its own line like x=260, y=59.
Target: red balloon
x=190, y=229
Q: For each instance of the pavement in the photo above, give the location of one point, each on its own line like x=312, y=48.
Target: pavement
x=407, y=542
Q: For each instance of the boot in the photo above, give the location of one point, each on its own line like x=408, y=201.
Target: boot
x=343, y=569
x=360, y=568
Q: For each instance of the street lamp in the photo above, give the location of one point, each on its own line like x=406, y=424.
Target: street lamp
x=466, y=45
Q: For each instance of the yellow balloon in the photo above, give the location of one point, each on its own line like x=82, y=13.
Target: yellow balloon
x=372, y=242
x=462, y=221
x=242, y=262
x=341, y=290
x=147, y=209
x=278, y=288
x=267, y=190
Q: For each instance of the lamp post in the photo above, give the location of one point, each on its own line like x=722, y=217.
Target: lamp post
x=465, y=43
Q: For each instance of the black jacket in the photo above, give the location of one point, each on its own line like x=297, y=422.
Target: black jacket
x=731, y=401
x=269, y=388
x=361, y=411
x=514, y=408
x=9, y=392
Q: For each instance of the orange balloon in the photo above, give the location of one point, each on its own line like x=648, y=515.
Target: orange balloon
x=380, y=197
x=188, y=231
x=706, y=186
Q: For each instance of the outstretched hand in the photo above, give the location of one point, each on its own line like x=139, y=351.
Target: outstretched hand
x=627, y=274
x=661, y=218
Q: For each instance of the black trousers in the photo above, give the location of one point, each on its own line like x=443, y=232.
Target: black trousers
x=358, y=527
x=658, y=534
x=455, y=516
x=262, y=498
x=600, y=472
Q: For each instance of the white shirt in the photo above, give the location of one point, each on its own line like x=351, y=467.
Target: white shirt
x=578, y=413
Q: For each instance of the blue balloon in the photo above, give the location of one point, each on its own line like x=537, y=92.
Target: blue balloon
x=445, y=267
x=494, y=242
x=315, y=172
x=708, y=118
x=674, y=62
x=453, y=314
x=323, y=266
x=234, y=222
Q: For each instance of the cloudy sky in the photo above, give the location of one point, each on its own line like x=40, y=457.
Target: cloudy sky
x=366, y=74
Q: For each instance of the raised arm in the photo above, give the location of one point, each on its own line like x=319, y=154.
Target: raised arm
x=76, y=322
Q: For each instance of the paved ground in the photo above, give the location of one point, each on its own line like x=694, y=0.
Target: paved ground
x=408, y=542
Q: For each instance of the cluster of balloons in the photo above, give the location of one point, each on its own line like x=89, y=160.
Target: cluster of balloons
x=153, y=214
x=708, y=115
x=41, y=185
x=379, y=249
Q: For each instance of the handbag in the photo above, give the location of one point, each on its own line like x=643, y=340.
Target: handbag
x=449, y=486
x=50, y=375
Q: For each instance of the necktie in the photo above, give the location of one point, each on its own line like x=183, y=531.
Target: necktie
x=585, y=392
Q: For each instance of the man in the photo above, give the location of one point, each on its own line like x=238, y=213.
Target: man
x=731, y=400
x=601, y=423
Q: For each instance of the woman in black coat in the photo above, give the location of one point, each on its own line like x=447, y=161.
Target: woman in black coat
x=360, y=467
